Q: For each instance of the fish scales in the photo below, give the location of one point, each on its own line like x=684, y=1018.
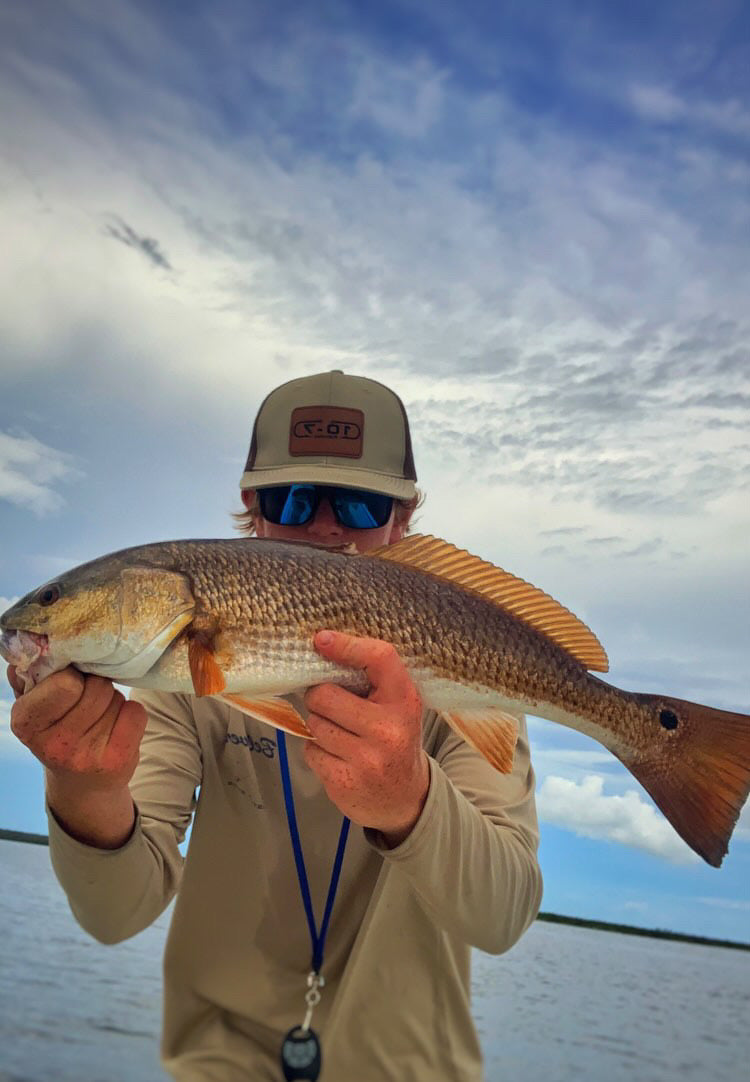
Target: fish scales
x=433, y=624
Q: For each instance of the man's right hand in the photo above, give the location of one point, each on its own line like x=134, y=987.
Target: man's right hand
x=87, y=737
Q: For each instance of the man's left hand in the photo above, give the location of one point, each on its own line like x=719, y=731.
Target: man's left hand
x=368, y=752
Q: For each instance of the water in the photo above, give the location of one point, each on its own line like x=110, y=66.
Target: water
x=71, y=1010
x=567, y=1003
x=577, y=1004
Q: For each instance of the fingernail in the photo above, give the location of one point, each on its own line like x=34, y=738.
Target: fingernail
x=324, y=638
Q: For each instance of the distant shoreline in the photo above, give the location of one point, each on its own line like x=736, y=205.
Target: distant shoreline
x=652, y=933
x=551, y=918
x=22, y=836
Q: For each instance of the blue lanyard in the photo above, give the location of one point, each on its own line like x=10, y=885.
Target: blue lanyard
x=317, y=938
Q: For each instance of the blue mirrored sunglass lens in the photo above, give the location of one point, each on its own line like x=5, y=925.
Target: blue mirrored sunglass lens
x=288, y=505
x=299, y=506
x=362, y=512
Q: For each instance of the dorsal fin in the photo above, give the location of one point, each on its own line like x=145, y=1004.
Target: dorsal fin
x=533, y=606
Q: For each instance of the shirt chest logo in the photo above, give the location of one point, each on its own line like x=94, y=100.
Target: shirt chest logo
x=260, y=746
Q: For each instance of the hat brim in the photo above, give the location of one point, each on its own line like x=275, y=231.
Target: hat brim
x=323, y=474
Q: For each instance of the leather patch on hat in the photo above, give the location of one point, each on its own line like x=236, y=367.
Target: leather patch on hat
x=326, y=430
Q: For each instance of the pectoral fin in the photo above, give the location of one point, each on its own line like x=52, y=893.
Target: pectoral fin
x=490, y=731
x=208, y=679
x=271, y=709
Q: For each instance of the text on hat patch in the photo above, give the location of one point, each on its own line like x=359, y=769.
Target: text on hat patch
x=326, y=430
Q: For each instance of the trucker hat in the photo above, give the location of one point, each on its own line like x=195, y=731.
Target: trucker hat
x=332, y=429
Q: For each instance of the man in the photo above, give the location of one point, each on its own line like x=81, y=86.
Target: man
x=442, y=850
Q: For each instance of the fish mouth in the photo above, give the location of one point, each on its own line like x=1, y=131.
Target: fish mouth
x=27, y=651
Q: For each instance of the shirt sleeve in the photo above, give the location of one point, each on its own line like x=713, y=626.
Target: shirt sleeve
x=471, y=858
x=115, y=893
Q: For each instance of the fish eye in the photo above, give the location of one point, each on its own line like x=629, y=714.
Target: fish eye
x=668, y=719
x=49, y=594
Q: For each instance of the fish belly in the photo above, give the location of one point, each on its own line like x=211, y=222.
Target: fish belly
x=275, y=667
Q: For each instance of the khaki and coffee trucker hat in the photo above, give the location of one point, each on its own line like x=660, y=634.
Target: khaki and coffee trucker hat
x=332, y=429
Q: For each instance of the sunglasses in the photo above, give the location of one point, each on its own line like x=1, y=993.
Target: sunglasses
x=295, y=505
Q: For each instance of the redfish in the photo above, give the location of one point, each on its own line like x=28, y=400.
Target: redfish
x=236, y=619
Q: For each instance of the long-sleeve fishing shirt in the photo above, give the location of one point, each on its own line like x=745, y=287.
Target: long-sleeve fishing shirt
x=395, y=1005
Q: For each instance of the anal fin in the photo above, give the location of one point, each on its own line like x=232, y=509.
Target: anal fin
x=270, y=709
x=490, y=731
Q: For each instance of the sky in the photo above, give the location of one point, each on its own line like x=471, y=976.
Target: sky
x=531, y=220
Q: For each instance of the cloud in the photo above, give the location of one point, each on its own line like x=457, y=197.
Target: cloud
x=656, y=103
x=661, y=105
x=403, y=100
x=627, y=819
x=647, y=548
x=579, y=758
x=30, y=472
x=551, y=277
x=620, y=465
x=6, y=602
x=562, y=531
x=146, y=245
x=604, y=541
x=726, y=903
x=375, y=250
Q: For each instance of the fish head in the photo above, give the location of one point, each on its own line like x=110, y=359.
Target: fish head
x=109, y=617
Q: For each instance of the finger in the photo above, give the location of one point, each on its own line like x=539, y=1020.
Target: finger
x=348, y=710
x=317, y=758
x=96, y=703
x=385, y=669
x=15, y=681
x=338, y=780
x=333, y=738
x=46, y=703
x=85, y=752
x=127, y=732
x=86, y=746
x=331, y=770
x=95, y=740
x=95, y=726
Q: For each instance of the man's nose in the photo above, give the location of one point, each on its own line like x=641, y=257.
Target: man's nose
x=324, y=524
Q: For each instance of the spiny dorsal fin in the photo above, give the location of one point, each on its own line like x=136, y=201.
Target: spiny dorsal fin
x=533, y=606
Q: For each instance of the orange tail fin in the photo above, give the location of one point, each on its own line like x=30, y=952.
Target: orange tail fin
x=700, y=774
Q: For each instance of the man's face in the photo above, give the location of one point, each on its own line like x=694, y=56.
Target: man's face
x=323, y=529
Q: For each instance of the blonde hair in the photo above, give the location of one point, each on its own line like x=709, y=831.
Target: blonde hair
x=244, y=521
